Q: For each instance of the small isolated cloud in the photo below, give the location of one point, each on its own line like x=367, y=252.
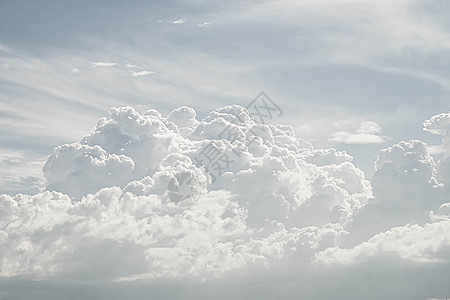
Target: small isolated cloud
x=103, y=64
x=142, y=73
x=368, y=133
x=75, y=71
x=180, y=21
x=204, y=24
x=369, y=127
x=130, y=65
x=4, y=67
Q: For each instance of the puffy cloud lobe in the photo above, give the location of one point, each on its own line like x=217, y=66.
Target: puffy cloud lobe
x=274, y=162
x=80, y=169
x=144, y=138
x=410, y=212
x=184, y=118
x=405, y=168
x=405, y=189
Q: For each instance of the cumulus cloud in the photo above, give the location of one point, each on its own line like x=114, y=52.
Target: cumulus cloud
x=278, y=198
x=425, y=244
x=409, y=215
x=405, y=187
x=368, y=133
x=147, y=195
x=79, y=169
x=428, y=243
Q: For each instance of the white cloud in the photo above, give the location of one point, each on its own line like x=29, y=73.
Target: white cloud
x=368, y=133
x=438, y=124
x=75, y=70
x=80, y=169
x=424, y=244
x=435, y=149
x=345, y=137
x=179, y=21
x=409, y=217
x=280, y=204
x=272, y=203
x=142, y=73
x=103, y=64
x=130, y=65
x=204, y=24
x=405, y=187
x=369, y=127
x=136, y=232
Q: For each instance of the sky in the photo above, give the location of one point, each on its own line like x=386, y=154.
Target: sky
x=105, y=107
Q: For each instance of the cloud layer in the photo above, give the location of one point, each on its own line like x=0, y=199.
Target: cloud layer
x=132, y=195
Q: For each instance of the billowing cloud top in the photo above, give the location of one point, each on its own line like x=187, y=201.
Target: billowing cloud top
x=176, y=197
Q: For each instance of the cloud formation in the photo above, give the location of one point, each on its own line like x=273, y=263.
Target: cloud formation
x=437, y=124
x=120, y=198
x=278, y=197
x=104, y=64
x=180, y=21
x=368, y=133
x=141, y=73
x=204, y=24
